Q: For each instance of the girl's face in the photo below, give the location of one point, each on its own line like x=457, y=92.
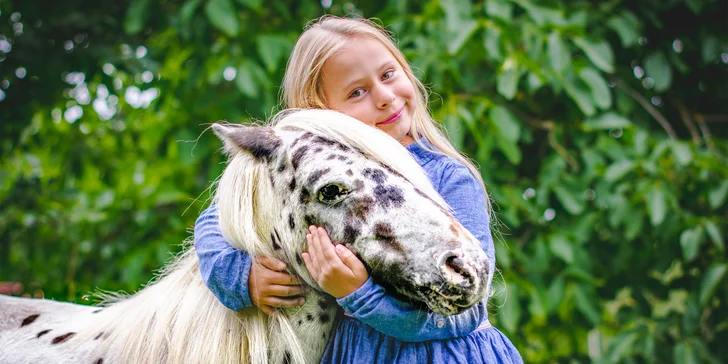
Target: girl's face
x=365, y=81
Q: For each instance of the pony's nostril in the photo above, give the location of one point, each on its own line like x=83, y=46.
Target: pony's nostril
x=456, y=264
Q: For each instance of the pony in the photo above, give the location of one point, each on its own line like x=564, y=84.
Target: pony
x=305, y=167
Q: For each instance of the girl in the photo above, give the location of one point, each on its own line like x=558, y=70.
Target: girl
x=352, y=66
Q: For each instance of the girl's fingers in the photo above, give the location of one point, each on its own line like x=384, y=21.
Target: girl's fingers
x=283, y=302
x=271, y=263
x=319, y=257
x=312, y=268
x=327, y=248
x=312, y=255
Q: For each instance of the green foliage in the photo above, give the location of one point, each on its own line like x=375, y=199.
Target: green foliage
x=599, y=128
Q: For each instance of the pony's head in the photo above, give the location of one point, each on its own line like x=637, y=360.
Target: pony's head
x=318, y=167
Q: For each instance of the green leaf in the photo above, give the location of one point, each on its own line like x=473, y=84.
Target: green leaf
x=690, y=241
x=618, y=170
x=621, y=346
x=492, y=43
x=559, y=54
x=463, y=33
x=580, y=96
x=245, y=80
x=600, y=90
x=656, y=205
x=561, y=248
x=599, y=52
x=511, y=314
x=714, y=234
x=682, y=153
x=499, y=9
x=657, y=67
x=587, y=304
x=626, y=26
x=272, y=50
x=507, y=124
x=710, y=48
x=570, y=200
x=222, y=15
x=508, y=79
x=188, y=10
x=717, y=194
x=136, y=16
x=712, y=278
x=510, y=150
x=608, y=120
x=684, y=353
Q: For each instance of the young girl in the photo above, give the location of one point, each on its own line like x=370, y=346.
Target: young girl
x=351, y=65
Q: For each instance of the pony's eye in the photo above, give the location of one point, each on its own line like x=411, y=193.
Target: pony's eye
x=331, y=192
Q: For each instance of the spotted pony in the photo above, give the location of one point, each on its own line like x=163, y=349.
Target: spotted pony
x=307, y=167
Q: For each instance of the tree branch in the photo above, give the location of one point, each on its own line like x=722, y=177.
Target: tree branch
x=649, y=107
x=687, y=119
x=704, y=129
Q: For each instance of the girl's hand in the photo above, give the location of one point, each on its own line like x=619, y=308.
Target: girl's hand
x=270, y=287
x=336, y=269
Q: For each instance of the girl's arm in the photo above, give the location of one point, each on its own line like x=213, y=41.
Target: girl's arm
x=237, y=280
x=225, y=270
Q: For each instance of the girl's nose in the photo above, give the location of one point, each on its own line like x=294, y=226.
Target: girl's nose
x=385, y=97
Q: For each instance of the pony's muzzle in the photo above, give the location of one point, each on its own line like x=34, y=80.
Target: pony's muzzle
x=457, y=270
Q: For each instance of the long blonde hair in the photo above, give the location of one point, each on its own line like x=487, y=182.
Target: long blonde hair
x=321, y=40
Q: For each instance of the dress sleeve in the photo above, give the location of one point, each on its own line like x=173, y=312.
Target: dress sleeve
x=225, y=270
x=401, y=320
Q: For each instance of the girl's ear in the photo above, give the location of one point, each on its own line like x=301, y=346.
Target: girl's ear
x=261, y=142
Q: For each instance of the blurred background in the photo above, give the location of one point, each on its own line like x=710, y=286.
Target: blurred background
x=600, y=128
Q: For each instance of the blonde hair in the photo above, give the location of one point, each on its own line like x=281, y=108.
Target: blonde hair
x=321, y=40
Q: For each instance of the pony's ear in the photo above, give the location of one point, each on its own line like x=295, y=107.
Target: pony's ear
x=259, y=141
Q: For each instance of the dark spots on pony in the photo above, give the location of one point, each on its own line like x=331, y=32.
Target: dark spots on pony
x=324, y=318
x=310, y=220
x=349, y=172
x=97, y=311
x=318, y=150
x=291, y=222
x=309, y=317
x=281, y=166
x=292, y=185
x=305, y=196
x=361, y=207
x=384, y=233
x=388, y=196
x=99, y=361
x=274, y=242
x=331, y=157
x=42, y=333
x=287, y=357
x=305, y=136
x=29, y=320
x=322, y=304
x=323, y=141
x=298, y=155
x=272, y=180
x=299, y=260
x=358, y=184
x=350, y=234
x=391, y=170
x=99, y=335
x=62, y=338
x=343, y=158
x=376, y=175
x=316, y=175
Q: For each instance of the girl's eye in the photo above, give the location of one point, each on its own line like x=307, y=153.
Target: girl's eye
x=356, y=93
x=387, y=75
